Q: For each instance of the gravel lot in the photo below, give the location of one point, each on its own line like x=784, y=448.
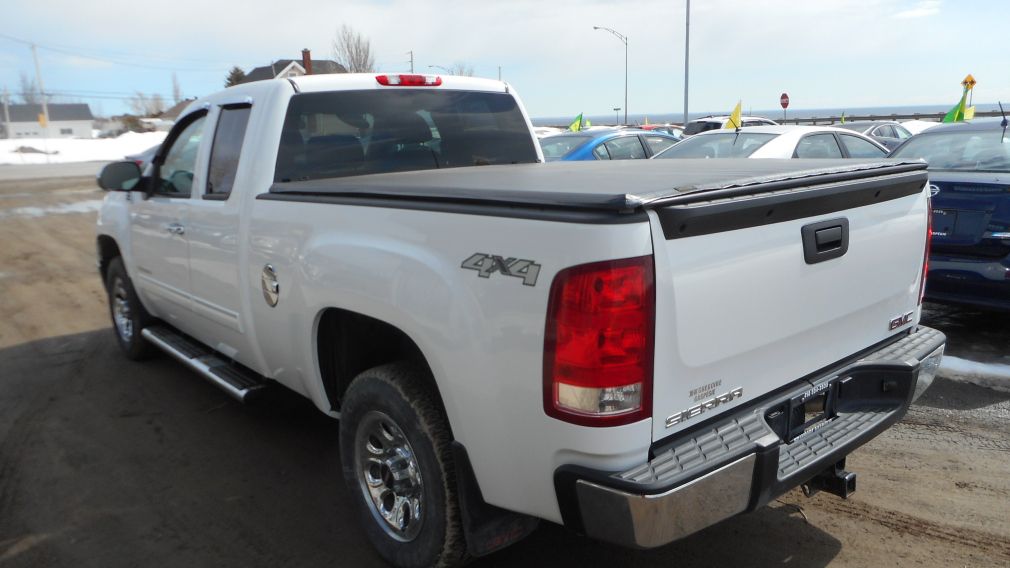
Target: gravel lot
x=104, y=462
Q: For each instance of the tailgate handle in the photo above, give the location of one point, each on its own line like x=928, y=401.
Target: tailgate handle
x=825, y=240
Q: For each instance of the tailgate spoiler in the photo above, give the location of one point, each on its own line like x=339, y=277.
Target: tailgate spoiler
x=616, y=191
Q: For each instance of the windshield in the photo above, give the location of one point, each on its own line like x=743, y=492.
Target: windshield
x=960, y=150
x=701, y=126
x=348, y=133
x=721, y=145
x=557, y=147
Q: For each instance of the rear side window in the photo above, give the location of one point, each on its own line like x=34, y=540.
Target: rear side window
x=701, y=126
x=348, y=133
x=626, y=148
x=555, y=147
x=859, y=148
x=885, y=131
x=818, y=146
x=224, y=154
x=658, y=143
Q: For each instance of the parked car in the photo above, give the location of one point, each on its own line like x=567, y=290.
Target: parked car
x=674, y=130
x=917, y=126
x=605, y=144
x=888, y=132
x=700, y=125
x=969, y=176
x=781, y=141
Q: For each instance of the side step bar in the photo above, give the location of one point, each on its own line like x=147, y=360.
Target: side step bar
x=239, y=382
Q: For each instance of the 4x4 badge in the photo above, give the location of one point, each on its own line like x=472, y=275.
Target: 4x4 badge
x=488, y=264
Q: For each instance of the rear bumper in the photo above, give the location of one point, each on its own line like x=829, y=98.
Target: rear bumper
x=984, y=283
x=742, y=460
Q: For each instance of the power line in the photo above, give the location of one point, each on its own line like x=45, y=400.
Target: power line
x=76, y=52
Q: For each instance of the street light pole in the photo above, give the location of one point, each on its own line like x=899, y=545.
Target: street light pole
x=617, y=117
x=687, y=50
x=624, y=40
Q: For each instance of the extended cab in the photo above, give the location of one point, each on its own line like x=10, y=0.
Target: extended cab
x=637, y=350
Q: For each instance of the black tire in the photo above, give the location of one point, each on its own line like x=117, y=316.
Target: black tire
x=403, y=394
x=123, y=297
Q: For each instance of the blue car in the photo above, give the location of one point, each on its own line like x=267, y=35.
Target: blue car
x=969, y=176
x=605, y=144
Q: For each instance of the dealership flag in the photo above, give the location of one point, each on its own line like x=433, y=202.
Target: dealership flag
x=734, y=119
x=576, y=124
x=957, y=113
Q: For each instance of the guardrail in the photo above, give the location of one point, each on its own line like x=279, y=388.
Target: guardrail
x=932, y=117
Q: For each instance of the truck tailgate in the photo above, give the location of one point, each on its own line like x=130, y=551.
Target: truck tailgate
x=762, y=284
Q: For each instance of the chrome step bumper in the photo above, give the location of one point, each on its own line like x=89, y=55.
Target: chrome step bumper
x=741, y=460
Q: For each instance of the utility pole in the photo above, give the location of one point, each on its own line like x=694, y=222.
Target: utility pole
x=411, y=52
x=7, y=114
x=687, y=51
x=45, y=105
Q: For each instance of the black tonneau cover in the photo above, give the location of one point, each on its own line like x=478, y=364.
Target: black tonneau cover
x=616, y=186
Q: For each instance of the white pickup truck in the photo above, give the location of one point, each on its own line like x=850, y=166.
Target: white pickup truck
x=637, y=350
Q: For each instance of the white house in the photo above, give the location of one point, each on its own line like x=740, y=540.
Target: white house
x=65, y=121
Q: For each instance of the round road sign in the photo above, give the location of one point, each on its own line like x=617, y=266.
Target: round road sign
x=784, y=100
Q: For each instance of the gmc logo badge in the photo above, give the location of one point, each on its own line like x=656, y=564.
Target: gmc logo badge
x=900, y=321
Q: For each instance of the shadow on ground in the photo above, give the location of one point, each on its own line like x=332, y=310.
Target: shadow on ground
x=106, y=462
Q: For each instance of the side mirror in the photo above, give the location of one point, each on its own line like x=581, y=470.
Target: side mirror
x=119, y=176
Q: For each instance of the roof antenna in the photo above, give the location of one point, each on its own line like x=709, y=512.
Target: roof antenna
x=1003, y=123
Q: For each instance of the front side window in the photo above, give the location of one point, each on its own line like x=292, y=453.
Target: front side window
x=701, y=126
x=175, y=175
x=859, y=148
x=346, y=133
x=224, y=154
x=818, y=146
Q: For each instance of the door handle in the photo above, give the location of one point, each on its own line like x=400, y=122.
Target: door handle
x=176, y=229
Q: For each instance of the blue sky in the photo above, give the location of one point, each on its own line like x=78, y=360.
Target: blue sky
x=824, y=53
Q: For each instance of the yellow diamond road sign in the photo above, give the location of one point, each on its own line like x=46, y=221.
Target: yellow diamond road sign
x=969, y=82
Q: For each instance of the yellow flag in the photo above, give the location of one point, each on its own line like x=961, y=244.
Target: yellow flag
x=734, y=119
x=969, y=113
x=42, y=120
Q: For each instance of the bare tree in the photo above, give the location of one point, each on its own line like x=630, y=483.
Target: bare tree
x=176, y=90
x=145, y=105
x=461, y=69
x=353, y=51
x=29, y=92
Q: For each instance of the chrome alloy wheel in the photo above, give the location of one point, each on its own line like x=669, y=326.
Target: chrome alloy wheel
x=389, y=476
x=122, y=315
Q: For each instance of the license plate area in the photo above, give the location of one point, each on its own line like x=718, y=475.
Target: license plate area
x=805, y=412
x=943, y=222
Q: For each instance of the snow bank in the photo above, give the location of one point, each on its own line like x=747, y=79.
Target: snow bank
x=991, y=375
x=78, y=150
x=89, y=206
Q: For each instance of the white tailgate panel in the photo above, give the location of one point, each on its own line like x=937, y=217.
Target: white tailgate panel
x=743, y=309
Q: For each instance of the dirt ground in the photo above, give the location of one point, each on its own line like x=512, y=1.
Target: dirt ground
x=105, y=462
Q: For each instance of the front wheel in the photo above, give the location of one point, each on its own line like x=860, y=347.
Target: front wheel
x=397, y=464
x=128, y=315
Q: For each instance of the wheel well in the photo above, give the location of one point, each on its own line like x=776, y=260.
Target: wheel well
x=348, y=343
x=107, y=250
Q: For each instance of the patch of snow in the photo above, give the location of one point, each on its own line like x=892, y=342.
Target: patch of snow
x=991, y=375
x=89, y=206
x=62, y=150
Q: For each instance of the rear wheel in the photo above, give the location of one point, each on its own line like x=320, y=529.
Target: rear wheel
x=397, y=463
x=128, y=315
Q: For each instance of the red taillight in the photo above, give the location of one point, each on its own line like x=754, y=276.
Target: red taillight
x=409, y=80
x=599, y=343
x=925, y=256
